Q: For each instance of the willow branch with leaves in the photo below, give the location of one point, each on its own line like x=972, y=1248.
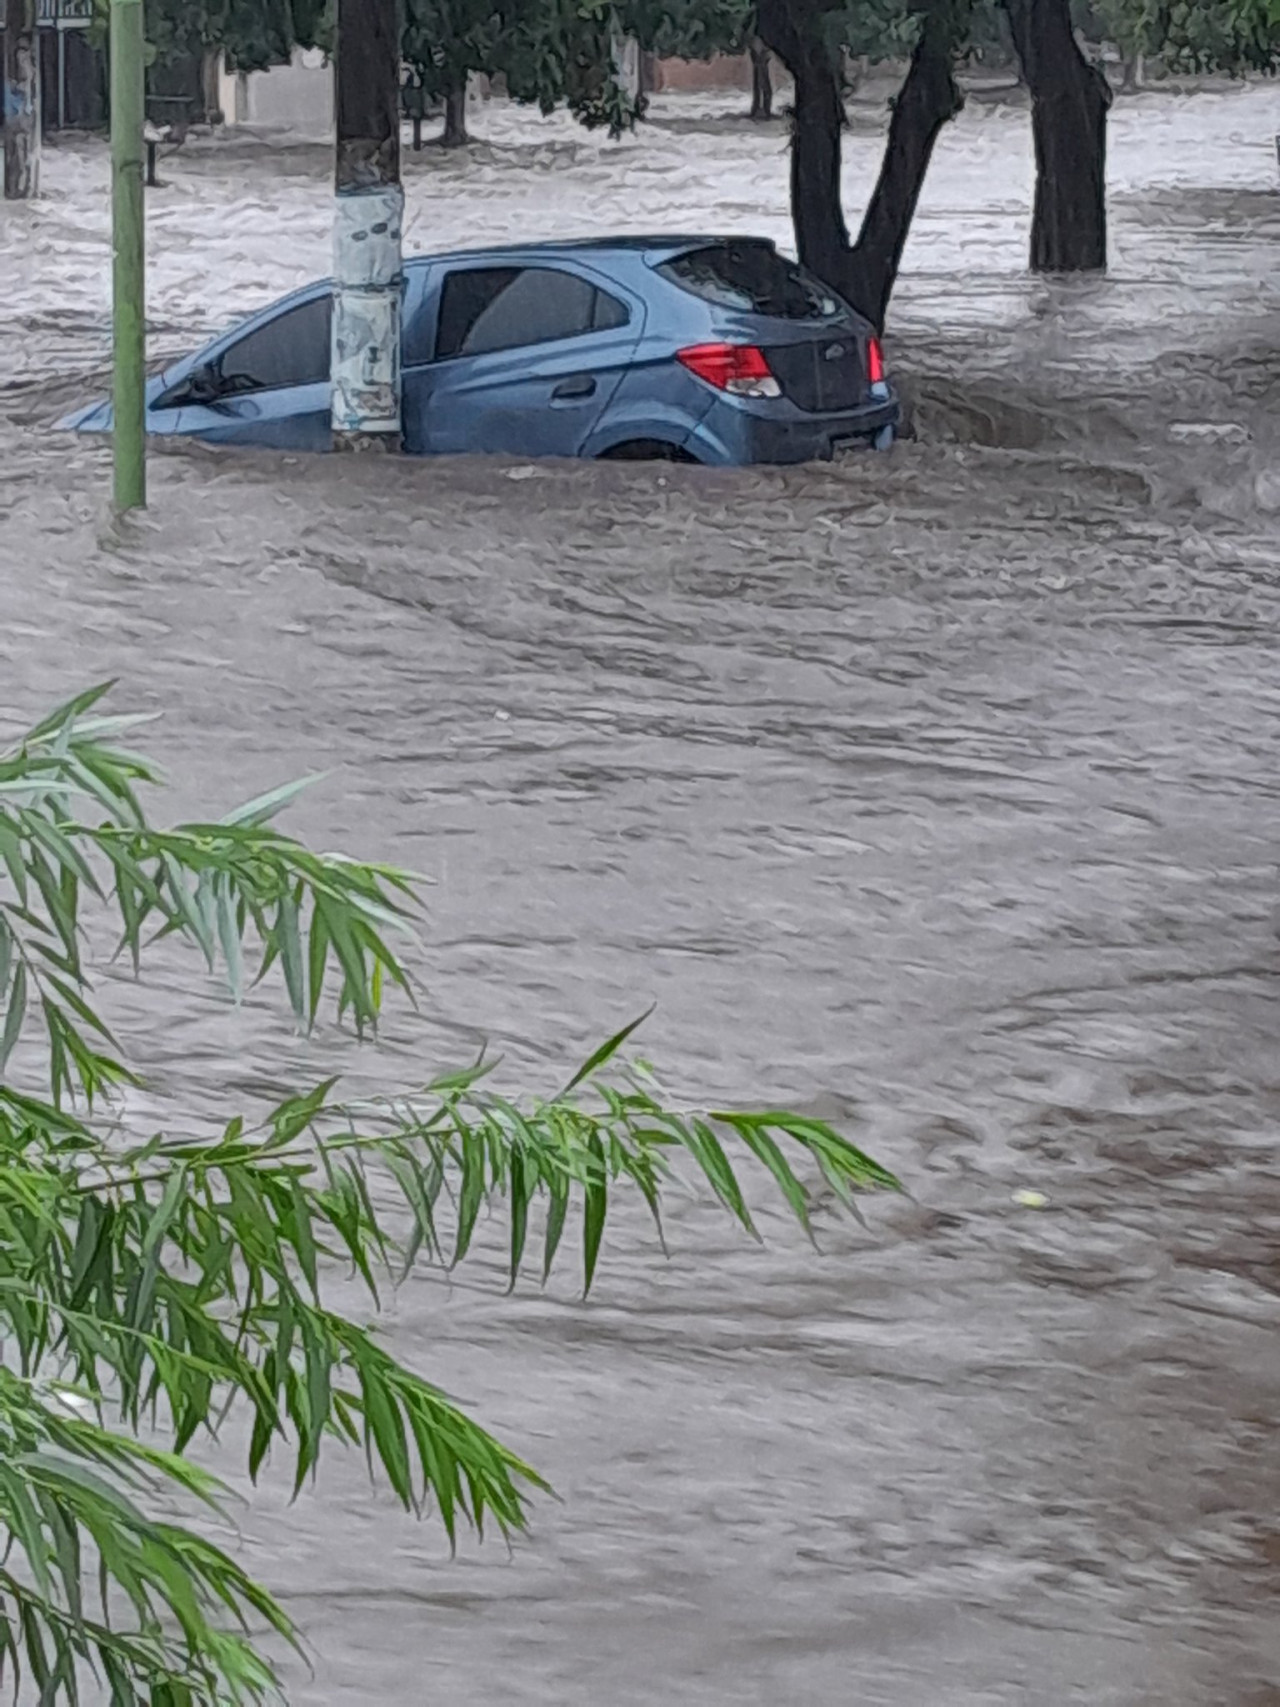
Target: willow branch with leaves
x=148, y=1284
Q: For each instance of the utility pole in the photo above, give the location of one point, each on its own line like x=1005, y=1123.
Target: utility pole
x=21, y=101
x=128, y=277
x=368, y=214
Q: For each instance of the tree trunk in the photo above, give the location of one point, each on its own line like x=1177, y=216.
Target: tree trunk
x=865, y=274
x=817, y=212
x=368, y=216
x=929, y=97
x=21, y=101
x=1069, y=101
x=761, y=82
x=1131, y=73
x=455, y=117
x=211, y=112
x=624, y=54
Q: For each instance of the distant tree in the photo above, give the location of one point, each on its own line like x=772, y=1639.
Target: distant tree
x=548, y=52
x=562, y=52
x=689, y=29
x=254, y=34
x=1069, y=101
x=444, y=42
x=1130, y=26
x=1235, y=36
x=990, y=43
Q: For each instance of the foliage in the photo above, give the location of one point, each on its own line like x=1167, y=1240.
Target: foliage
x=255, y=34
x=1235, y=36
x=445, y=40
x=1218, y=35
x=549, y=53
x=697, y=29
x=151, y=1283
x=690, y=29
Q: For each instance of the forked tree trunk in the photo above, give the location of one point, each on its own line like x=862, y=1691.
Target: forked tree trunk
x=761, y=82
x=1069, y=101
x=866, y=273
x=929, y=97
x=455, y=117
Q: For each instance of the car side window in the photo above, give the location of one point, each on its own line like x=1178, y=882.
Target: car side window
x=417, y=337
x=486, y=309
x=609, y=313
x=292, y=349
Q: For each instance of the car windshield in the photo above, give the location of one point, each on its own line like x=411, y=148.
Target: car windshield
x=754, y=277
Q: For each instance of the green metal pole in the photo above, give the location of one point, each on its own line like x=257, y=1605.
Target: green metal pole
x=128, y=282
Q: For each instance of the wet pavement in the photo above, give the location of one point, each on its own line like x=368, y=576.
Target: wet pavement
x=936, y=792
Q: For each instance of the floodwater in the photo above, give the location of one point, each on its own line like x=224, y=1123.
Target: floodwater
x=937, y=793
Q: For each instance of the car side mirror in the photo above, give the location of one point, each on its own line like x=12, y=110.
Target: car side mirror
x=202, y=385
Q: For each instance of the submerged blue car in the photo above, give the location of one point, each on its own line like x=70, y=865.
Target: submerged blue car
x=715, y=350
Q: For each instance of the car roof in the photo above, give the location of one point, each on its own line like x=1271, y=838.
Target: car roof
x=628, y=245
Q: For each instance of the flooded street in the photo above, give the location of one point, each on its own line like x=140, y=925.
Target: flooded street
x=936, y=793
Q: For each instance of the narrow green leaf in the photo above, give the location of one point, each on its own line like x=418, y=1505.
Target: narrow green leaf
x=290, y=951
x=229, y=937
x=594, y=1211
x=15, y=1012
x=317, y=955
x=265, y=806
x=605, y=1053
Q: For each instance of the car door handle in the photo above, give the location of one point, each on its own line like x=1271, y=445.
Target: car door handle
x=582, y=385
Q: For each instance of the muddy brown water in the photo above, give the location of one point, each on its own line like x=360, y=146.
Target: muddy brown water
x=937, y=793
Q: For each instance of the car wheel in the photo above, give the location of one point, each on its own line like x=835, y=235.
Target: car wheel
x=646, y=450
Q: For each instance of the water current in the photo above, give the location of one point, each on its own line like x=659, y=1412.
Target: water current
x=937, y=793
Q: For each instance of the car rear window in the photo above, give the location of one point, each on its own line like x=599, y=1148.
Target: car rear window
x=483, y=309
x=755, y=278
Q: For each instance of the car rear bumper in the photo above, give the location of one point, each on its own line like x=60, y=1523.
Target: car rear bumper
x=738, y=432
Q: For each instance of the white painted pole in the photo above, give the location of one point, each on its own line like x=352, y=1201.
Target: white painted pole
x=364, y=378
x=367, y=278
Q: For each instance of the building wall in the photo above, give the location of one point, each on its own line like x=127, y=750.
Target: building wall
x=297, y=97
x=725, y=71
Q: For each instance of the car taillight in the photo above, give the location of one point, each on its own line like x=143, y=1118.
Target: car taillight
x=878, y=384
x=737, y=368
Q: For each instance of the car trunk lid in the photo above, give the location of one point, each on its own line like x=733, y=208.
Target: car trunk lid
x=824, y=372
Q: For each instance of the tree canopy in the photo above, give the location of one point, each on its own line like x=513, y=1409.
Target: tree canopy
x=554, y=52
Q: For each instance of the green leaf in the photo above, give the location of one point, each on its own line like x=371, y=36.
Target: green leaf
x=605, y=1053
x=594, y=1211
x=15, y=1012
x=229, y=937
x=266, y=806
